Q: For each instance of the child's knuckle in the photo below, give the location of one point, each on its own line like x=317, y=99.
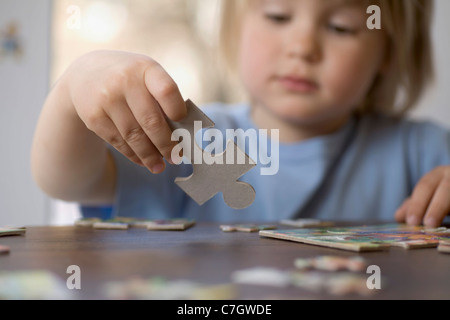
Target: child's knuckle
x=134, y=135
x=94, y=119
x=117, y=142
x=128, y=75
x=152, y=124
x=106, y=95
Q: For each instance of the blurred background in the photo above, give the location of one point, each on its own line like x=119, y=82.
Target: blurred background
x=39, y=39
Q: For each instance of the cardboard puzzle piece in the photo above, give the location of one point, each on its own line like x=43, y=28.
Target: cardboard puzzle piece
x=4, y=249
x=332, y=263
x=246, y=227
x=170, y=224
x=106, y=225
x=4, y=232
x=366, y=238
x=334, y=283
x=124, y=223
x=306, y=223
x=214, y=174
x=444, y=246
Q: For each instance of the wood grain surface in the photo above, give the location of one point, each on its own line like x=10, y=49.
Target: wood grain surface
x=207, y=255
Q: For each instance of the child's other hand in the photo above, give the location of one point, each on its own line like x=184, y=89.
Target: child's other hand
x=122, y=98
x=430, y=201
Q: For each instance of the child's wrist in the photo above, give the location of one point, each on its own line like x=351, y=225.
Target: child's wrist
x=64, y=98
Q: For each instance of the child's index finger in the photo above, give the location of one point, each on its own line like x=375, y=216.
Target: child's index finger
x=165, y=91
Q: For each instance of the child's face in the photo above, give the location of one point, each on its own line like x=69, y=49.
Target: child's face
x=309, y=61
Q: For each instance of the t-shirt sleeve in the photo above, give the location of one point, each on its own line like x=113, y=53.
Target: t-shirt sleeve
x=429, y=148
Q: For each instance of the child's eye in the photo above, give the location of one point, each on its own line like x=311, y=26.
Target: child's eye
x=278, y=18
x=341, y=29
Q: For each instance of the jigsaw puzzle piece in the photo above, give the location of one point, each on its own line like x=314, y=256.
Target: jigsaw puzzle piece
x=209, y=179
x=193, y=114
x=215, y=173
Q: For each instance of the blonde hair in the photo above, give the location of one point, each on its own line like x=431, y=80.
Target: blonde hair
x=407, y=25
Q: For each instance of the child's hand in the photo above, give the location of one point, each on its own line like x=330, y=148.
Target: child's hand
x=430, y=200
x=122, y=98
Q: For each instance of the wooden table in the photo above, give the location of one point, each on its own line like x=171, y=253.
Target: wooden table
x=207, y=255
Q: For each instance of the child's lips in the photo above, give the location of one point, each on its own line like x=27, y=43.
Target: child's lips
x=298, y=84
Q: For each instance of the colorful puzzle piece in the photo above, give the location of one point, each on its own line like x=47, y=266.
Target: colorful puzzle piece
x=335, y=283
x=214, y=174
x=332, y=263
x=365, y=238
x=159, y=288
x=33, y=285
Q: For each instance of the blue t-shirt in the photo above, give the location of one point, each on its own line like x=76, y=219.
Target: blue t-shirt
x=362, y=172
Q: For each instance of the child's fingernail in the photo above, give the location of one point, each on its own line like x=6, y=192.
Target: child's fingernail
x=431, y=222
x=412, y=220
x=158, y=168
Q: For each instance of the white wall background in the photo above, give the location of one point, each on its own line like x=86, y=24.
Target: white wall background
x=24, y=85
x=435, y=105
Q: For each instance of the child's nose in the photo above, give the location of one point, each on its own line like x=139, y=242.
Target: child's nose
x=304, y=44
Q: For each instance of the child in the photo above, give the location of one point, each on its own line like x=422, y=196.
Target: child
x=313, y=70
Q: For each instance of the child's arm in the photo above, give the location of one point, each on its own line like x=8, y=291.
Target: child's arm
x=103, y=98
x=430, y=201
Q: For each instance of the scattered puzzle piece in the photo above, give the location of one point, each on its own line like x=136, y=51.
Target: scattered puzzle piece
x=338, y=284
x=365, y=238
x=159, y=288
x=214, y=174
x=4, y=249
x=33, y=285
x=347, y=283
x=12, y=232
x=123, y=223
x=87, y=222
x=262, y=276
x=106, y=225
x=444, y=246
x=246, y=227
x=335, y=283
x=415, y=244
x=332, y=263
x=170, y=225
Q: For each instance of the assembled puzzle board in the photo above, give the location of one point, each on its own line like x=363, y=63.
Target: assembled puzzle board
x=365, y=238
